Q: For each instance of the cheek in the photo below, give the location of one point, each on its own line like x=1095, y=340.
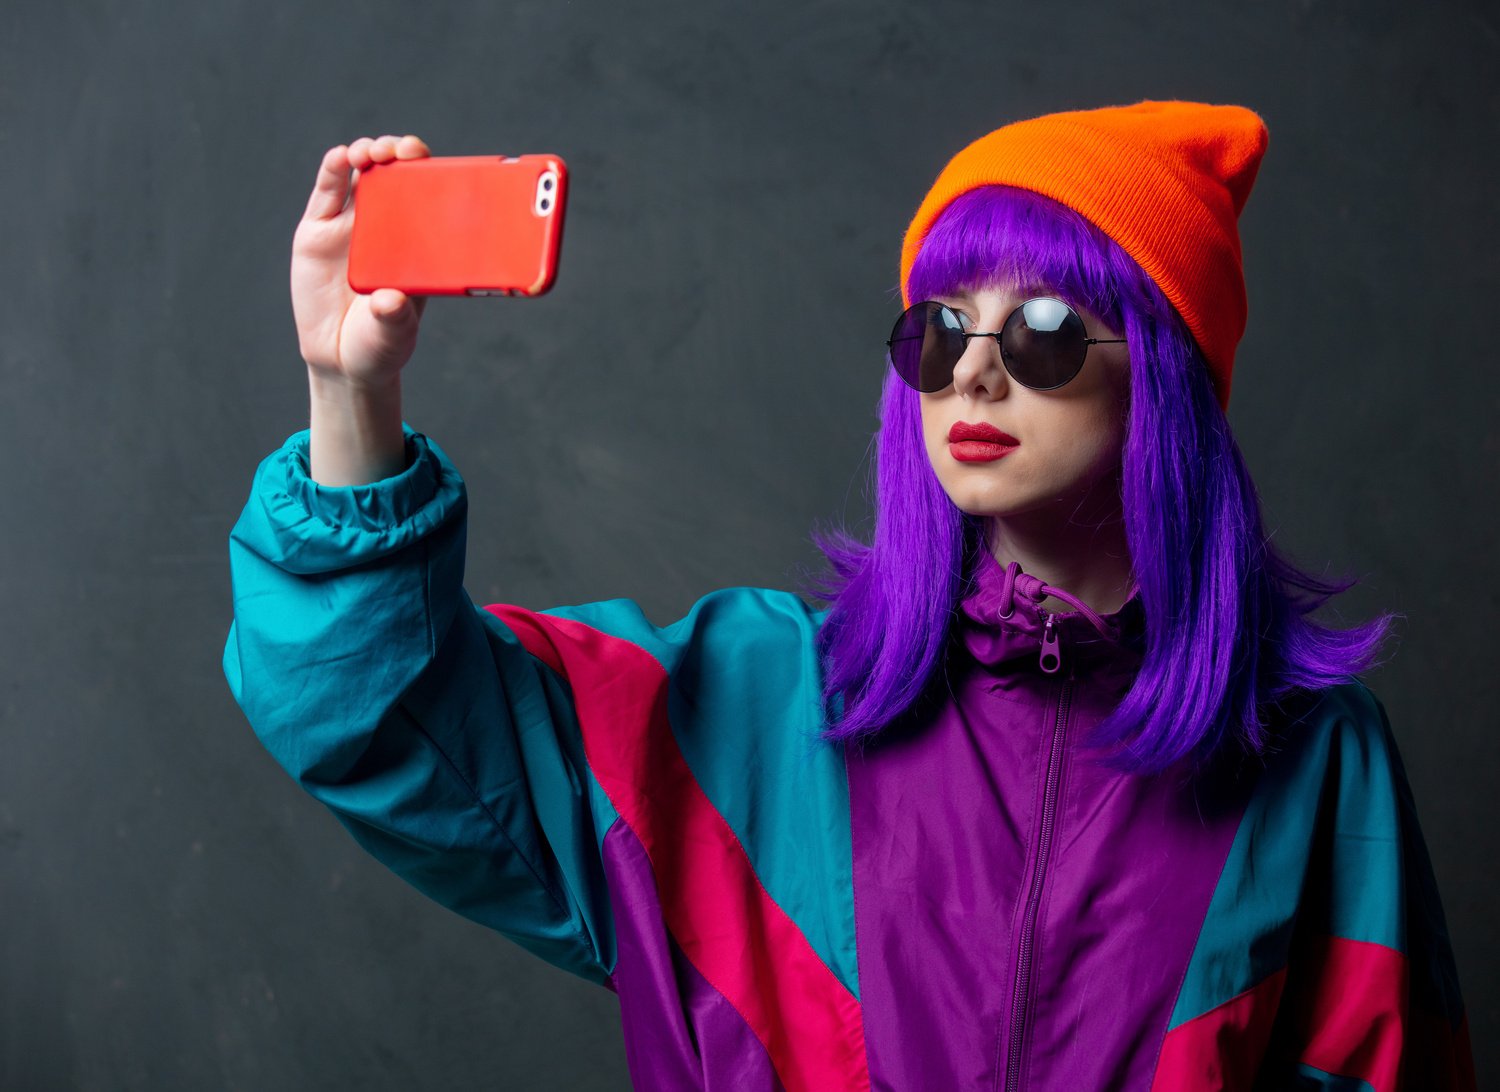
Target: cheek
x=1097, y=449
x=934, y=432
x=1107, y=432
x=1096, y=427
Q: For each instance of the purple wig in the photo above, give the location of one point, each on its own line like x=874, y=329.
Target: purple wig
x=1228, y=627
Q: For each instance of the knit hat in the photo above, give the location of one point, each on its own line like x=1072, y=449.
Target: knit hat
x=1164, y=180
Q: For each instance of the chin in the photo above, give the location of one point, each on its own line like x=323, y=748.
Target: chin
x=1005, y=503
x=997, y=507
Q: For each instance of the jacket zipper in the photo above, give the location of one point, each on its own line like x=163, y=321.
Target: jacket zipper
x=1020, y=1004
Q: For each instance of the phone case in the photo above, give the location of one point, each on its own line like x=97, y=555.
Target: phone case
x=459, y=225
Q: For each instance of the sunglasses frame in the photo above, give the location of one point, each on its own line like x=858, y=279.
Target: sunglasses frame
x=998, y=335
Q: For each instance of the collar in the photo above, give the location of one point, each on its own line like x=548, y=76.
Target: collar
x=1001, y=619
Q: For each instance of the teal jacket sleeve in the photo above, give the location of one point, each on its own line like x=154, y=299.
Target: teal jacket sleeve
x=446, y=749
x=1371, y=990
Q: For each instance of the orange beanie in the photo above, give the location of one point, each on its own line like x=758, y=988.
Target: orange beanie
x=1164, y=180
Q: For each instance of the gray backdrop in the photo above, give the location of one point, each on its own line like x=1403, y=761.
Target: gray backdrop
x=694, y=396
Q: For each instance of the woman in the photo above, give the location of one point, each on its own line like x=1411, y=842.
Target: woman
x=1064, y=790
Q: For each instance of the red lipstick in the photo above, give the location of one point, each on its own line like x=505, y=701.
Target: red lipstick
x=979, y=443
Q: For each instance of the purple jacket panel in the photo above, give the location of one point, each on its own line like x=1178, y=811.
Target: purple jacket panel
x=1006, y=883
x=681, y=1035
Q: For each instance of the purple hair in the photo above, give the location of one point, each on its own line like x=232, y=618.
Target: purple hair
x=1228, y=629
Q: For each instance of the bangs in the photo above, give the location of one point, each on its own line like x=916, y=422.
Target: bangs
x=1013, y=238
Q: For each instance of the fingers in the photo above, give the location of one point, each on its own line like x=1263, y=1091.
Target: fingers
x=366, y=151
x=412, y=147
x=331, y=189
x=359, y=153
x=392, y=147
x=333, y=185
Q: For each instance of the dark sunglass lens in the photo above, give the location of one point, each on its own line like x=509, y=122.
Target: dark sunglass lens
x=926, y=342
x=1043, y=343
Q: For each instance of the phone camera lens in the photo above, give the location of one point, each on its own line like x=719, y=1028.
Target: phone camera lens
x=546, y=204
x=546, y=183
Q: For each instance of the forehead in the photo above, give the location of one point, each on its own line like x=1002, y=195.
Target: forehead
x=1002, y=289
x=1008, y=295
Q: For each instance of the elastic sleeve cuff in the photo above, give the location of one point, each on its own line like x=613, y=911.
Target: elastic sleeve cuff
x=304, y=527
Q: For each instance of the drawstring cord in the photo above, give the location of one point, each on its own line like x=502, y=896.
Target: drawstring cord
x=1035, y=588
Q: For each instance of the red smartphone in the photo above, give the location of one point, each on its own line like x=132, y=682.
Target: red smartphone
x=482, y=225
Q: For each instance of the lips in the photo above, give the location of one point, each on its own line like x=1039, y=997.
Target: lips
x=979, y=443
x=963, y=430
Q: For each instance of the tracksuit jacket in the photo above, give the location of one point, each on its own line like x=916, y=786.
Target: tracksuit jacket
x=969, y=902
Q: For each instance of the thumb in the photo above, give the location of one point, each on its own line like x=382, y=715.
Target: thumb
x=391, y=305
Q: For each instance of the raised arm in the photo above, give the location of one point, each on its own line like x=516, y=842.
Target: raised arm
x=360, y=661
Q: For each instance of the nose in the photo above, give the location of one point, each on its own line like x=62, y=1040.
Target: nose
x=980, y=373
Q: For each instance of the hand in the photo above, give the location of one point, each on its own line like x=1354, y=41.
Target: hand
x=361, y=340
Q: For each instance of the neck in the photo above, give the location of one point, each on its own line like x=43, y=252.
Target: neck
x=1076, y=545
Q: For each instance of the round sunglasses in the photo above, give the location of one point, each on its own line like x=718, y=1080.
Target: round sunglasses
x=1042, y=344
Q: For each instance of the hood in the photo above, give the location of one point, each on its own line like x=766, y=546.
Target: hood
x=1001, y=622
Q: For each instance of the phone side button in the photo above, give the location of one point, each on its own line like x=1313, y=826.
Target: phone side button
x=479, y=292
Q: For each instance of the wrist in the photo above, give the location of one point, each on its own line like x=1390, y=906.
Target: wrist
x=355, y=430
x=331, y=384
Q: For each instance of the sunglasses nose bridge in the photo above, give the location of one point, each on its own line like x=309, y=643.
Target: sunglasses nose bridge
x=980, y=366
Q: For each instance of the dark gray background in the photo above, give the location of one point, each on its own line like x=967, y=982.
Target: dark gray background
x=698, y=391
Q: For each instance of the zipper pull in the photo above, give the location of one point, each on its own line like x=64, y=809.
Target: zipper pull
x=1051, y=649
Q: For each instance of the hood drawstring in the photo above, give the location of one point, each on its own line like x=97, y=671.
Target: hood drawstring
x=1036, y=589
